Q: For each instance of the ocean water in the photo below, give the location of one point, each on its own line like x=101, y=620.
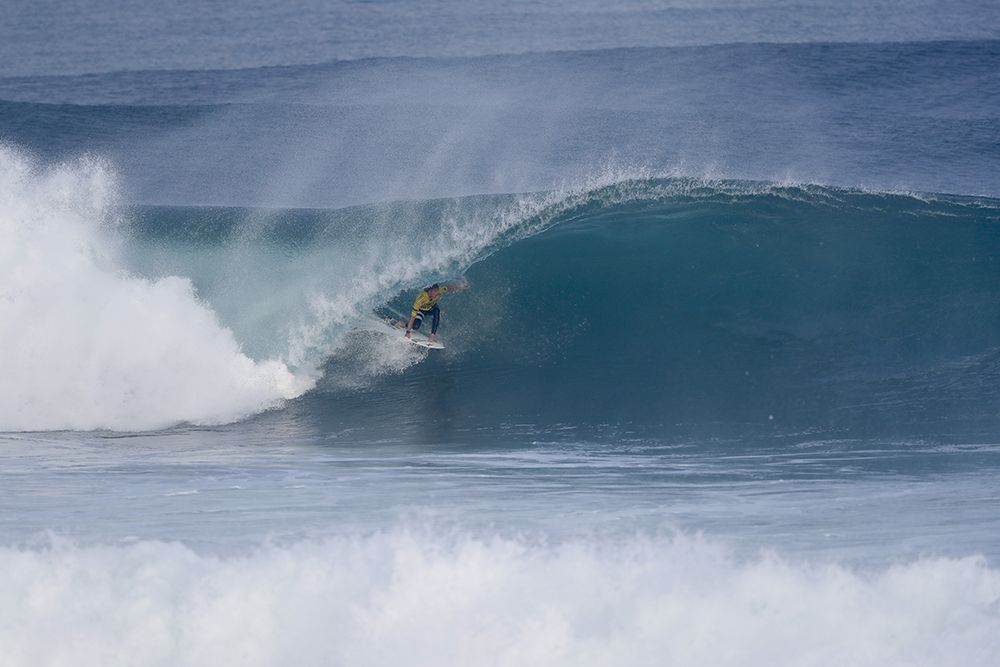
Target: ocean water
x=724, y=390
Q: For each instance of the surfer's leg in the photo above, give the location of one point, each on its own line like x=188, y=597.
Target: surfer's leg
x=418, y=319
x=435, y=319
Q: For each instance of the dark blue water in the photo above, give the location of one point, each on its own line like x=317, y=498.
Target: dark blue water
x=728, y=367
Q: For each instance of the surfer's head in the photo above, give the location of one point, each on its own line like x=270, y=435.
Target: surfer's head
x=433, y=289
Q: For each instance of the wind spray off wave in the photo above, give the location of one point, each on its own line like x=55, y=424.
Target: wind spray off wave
x=85, y=344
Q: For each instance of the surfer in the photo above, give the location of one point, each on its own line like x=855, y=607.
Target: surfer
x=425, y=305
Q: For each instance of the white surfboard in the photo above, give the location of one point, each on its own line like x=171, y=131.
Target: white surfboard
x=418, y=338
x=395, y=328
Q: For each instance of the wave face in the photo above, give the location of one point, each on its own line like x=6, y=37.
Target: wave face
x=674, y=304
x=802, y=304
x=664, y=304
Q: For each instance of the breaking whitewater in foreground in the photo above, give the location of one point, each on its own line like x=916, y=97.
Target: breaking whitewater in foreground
x=421, y=599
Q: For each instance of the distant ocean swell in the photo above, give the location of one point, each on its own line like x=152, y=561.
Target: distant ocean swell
x=918, y=115
x=707, y=300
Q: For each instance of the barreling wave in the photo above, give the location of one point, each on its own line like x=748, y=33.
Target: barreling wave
x=678, y=303
x=656, y=301
x=626, y=297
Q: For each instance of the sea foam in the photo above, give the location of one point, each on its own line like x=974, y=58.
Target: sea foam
x=86, y=345
x=406, y=597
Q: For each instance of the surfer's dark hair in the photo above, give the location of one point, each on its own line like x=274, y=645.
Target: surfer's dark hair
x=434, y=286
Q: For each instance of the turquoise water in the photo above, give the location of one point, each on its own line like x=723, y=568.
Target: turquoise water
x=723, y=390
x=671, y=306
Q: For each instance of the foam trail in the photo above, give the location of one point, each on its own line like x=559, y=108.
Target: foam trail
x=412, y=598
x=88, y=346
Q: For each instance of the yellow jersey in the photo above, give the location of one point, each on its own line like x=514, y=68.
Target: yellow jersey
x=424, y=301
